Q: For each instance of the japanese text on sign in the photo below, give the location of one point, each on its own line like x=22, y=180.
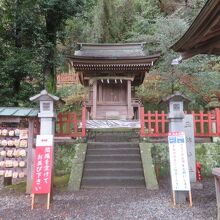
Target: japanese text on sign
x=42, y=170
x=43, y=165
x=178, y=161
x=190, y=146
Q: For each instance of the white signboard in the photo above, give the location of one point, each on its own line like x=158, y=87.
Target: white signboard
x=44, y=141
x=178, y=161
x=190, y=146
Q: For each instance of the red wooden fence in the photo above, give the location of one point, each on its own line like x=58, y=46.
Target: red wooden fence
x=156, y=124
x=71, y=125
x=152, y=124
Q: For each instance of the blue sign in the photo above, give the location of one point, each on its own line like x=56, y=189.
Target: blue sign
x=172, y=140
x=180, y=140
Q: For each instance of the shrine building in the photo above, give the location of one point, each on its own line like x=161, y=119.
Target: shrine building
x=111, y=72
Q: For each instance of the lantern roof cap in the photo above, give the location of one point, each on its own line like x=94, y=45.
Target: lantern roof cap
x=177, y=96
x=44, y=96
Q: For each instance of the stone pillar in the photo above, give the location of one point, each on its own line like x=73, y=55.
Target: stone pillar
x=190, y=145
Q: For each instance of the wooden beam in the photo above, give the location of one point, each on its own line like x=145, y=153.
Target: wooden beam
x=6, y=119
x=207, y=48
x=109, y=78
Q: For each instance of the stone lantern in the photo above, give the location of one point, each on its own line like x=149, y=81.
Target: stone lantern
x=176, y=116
x=212, y=105
x=47, y=113
x=176, y=103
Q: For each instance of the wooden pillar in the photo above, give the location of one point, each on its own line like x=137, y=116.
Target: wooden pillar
x=30, y=157
x=130, y=113
x=83, y=121
x=94, y=99
x=142, y=121
x=217, y=113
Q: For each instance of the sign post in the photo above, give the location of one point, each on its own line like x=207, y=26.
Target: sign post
x=179, y=164
x=43, y=163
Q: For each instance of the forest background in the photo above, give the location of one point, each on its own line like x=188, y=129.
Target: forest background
x=36, y=37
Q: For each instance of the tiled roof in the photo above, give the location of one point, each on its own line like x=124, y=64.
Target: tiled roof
x=111, y=50
x=203, y=35
x=18, y=112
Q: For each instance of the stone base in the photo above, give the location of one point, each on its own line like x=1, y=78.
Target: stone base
x=196, y=185
x=77, y=168
x=147, y=162
x=181, y=197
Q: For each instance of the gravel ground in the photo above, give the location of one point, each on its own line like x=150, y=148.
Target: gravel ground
x=117, y=204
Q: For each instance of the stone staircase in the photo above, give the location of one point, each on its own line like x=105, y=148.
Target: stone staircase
x=113, y=160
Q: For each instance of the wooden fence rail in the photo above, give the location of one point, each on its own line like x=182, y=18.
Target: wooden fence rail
x=71, y=125
x=156, y=124
x=206, y=124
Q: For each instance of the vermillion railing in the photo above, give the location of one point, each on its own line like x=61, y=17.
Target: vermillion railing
x=153, y=124
x=71, y=125
x=156, y=124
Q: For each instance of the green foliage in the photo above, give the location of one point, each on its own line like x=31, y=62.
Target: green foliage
x=35, y=37
x=73, y=96
x=63, y=158
x=29, y=32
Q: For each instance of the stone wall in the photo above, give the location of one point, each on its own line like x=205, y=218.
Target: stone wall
x=208, y=154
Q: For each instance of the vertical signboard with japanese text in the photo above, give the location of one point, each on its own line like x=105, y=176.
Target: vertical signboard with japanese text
x=43, y=163
x=178, y=161
x=190, y=146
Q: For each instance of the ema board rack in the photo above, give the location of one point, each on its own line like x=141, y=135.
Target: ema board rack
x=13, y=151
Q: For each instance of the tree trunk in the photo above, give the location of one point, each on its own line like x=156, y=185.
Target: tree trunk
x=49, y=69
x=18, y=44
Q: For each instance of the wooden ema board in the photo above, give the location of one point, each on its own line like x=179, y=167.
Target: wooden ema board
x=13, y=152
x=42, y=168
x=179, y=164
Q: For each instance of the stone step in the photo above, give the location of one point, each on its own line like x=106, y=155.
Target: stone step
x=97, y=182
x=115, y=139
x=114, y=132
x=104, y=151
x=99, y=145
x=113, y=157
x=112, y=165
x=118, y=172
x=113, y=160
x=112, y=135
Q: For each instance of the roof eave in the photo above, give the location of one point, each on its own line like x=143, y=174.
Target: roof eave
x=193, y=29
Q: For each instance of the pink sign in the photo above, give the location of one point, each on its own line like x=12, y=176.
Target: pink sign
x=42, y=170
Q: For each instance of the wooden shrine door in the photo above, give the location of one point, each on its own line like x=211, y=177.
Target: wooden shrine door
x=112, y=100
